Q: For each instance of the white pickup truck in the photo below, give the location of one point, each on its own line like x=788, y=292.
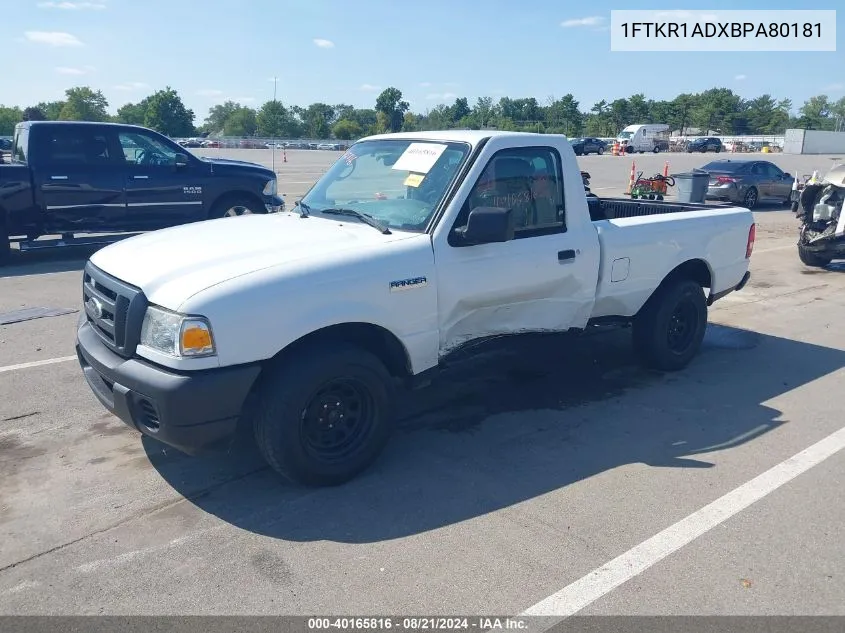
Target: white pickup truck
x=306, y=325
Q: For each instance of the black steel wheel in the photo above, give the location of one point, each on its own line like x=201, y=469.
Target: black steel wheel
x=669, y=329
x=324, y=416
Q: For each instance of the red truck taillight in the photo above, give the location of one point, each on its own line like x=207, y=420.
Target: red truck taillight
x=752, y=233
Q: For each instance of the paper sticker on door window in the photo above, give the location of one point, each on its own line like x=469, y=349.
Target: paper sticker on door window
x=419, y=157
x=414, y=180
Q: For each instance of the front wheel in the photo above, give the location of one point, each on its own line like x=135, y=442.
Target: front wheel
x=325, y=418
x=808, y=258
x=669, y=329
x=231, y=207
x=5, y=244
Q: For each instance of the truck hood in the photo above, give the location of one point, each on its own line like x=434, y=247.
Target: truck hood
x=171, y=265
x=237, y=165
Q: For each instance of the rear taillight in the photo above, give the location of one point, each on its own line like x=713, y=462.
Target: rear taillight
x=723, y=180
x=752, y=233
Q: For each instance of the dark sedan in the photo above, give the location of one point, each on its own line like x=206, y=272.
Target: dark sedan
x=587, y=145
x=748, y=182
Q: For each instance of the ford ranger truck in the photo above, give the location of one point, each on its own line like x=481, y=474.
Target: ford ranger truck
x=70, y=178
x=306, y=325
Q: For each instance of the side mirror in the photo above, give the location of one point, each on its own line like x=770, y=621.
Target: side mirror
x=181, y=160
x=487, y=225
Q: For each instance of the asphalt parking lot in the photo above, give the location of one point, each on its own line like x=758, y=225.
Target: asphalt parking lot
x=552, y=476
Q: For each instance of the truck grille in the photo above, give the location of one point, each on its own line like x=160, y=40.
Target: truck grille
x=114, y=309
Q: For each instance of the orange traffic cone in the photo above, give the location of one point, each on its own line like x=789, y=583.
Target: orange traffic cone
x=284, y=155
x=632, y=179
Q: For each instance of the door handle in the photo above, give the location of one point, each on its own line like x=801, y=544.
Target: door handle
x=58, y=177
x=563, y=256
x=141, y=177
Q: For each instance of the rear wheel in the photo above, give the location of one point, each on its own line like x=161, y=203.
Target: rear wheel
x=326, y=418
x=669, y=329
x=751, y=198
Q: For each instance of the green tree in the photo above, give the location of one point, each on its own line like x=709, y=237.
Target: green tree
x=346, y=130
x=275, y=120
x=9, y=118
x=51, y=109
x=165, y=113
x=318, y=118
x=392, y=108
x=242, y=122
x=815, y=113
x=84, y=104
x=218, y=115
x=33, y=113
x=132, y=113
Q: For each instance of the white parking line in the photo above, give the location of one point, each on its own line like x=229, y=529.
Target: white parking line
x=635, y=561
x=37, y=363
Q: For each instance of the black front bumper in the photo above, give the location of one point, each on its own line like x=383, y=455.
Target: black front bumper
x=195, y=412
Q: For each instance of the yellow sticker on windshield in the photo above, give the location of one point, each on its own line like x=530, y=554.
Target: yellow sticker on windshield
x=414, y=180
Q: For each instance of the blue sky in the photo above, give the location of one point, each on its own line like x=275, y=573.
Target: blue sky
x=340, y=52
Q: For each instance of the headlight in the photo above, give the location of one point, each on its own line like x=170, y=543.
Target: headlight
x=176, y=334
x=271, y=188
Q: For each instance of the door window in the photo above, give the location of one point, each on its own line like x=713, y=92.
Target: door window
x=77, y=145
x=145, y=149
x=528, y=181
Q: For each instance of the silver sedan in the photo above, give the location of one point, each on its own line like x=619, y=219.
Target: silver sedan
x=748, y=182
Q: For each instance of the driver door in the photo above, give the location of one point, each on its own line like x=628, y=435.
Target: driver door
x=158, y=194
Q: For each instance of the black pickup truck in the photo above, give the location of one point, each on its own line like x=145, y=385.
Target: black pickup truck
x=106, y=179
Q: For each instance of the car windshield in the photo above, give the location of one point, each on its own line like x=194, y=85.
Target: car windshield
x=726, y=166
x=577, y=140
x=397, y=182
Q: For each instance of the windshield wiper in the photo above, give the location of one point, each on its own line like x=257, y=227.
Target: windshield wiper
x=367, y=219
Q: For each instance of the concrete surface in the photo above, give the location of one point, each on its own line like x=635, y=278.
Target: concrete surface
x=515, y=475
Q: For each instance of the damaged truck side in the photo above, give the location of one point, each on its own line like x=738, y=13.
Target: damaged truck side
x=306, y=325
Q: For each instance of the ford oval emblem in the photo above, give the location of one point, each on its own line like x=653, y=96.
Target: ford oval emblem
x=96, y=307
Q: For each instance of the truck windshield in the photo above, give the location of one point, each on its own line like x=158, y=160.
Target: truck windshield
x=625, y=134
x=398, y=182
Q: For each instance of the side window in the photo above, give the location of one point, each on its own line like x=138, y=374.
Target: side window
x=759, y=169
x=773, y=171
x=145, y=149
x=527, y=180
x=77, y=145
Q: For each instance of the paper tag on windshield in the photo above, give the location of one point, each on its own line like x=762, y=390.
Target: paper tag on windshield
x=419, y=157
x=414, y=180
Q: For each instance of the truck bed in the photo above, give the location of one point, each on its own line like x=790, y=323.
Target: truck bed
x=615, y=208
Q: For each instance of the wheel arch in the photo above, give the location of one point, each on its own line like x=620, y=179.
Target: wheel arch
x=695, y=269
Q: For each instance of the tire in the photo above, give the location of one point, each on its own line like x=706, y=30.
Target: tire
x=752, y=197
x=281, y=423
x=808, y=258
x=234, y=206
x=5, y=245
x=600, y=151
x=668, y=331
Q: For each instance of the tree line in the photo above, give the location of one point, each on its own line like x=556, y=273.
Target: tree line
x=717, y=110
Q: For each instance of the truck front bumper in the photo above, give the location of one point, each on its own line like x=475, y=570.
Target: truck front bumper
x=274, y=204
x=195, y=412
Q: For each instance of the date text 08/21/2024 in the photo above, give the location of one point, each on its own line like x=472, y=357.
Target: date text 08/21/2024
x=475, y=623
x=721, y=29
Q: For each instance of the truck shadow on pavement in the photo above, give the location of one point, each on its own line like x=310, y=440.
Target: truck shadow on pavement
x=528, y=417
x=60, y=260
